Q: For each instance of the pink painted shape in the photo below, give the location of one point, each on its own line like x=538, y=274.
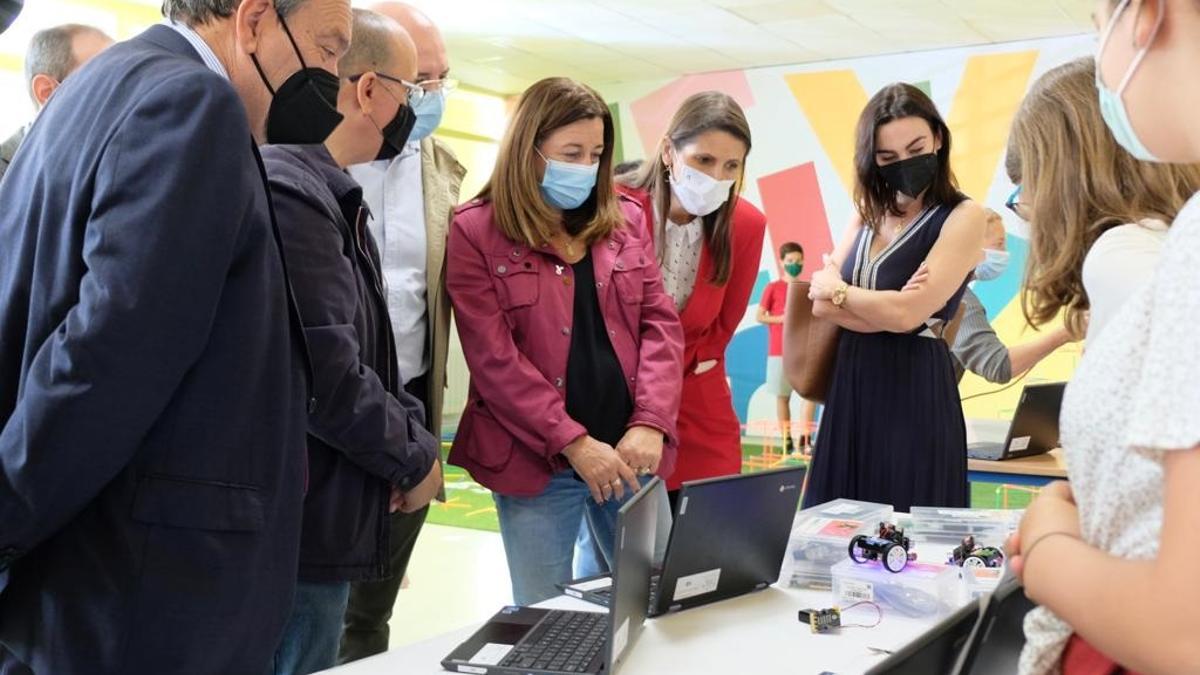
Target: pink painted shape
x=795, y=212
x=653, y=112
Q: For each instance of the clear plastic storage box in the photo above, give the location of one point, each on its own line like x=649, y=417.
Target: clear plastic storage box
x=980, y=581
x=921, y=590
x=821, y=539
x=990, y=527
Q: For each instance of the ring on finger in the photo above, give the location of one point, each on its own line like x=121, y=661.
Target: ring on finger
x=643, y=471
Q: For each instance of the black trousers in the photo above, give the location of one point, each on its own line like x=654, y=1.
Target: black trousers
x=366, y=630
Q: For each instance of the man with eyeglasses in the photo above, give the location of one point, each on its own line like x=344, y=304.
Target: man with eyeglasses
x=154, y=380
x=369, y=452
x=412, y=198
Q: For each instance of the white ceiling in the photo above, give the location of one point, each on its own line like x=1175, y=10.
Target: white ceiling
x=505, y=45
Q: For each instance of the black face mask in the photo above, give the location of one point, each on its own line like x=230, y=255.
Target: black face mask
x=911, y=176
x=304, y=109
x=396, y=133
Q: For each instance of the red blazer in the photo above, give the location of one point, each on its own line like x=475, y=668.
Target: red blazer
x=709, y=431
x=514, y=315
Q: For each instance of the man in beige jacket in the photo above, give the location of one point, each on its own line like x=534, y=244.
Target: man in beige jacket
x=411, y=198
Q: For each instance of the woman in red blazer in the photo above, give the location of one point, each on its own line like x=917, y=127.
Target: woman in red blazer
x=709, y=247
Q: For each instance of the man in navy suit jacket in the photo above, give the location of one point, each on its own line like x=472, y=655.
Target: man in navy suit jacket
x=152, y=375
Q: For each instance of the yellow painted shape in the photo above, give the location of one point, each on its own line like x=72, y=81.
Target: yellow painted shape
x=1010, y=326
x=479, y=158
x=131, y=17
x=832, y=100
x=992, y=88
x=475, y=114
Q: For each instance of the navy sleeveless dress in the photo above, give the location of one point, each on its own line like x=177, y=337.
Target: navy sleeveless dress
x=893, y=430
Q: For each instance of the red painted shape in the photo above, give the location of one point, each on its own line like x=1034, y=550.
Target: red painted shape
x=796, y=212
x=652, y=112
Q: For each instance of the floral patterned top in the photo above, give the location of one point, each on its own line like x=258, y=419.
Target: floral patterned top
x=1133, y=399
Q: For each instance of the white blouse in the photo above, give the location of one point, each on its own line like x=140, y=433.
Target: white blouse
x=678, y=249
x=1132, y=399
x=1121, y=261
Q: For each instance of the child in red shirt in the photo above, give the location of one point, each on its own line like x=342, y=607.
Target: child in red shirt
x=770, y=312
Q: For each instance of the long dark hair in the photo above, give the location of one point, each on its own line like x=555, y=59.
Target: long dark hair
x=701, y=112
x=874, y=199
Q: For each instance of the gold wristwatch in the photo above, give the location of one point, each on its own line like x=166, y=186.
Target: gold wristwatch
x=839, y=295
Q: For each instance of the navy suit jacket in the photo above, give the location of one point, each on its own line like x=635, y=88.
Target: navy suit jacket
x=152, y=390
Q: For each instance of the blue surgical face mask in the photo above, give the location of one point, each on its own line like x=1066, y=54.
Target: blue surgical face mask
x=1112, y=106
x=566, y=185
x=429, y=111
x=994, y=263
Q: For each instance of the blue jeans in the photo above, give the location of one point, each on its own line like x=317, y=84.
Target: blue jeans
x=314, y=630
x=589, y=561
x=539, y=534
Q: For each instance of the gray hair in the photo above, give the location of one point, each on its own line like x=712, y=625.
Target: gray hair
x=52, y=52
x=198, y=12
x=371, y=50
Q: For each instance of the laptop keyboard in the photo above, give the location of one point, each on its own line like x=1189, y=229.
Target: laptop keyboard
x=563, y=642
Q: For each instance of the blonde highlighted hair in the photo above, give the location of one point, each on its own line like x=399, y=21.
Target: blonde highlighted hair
x=1077, y=184
x=514, y=189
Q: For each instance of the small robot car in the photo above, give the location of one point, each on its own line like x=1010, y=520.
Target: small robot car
x=890, y=547
x=969, y=555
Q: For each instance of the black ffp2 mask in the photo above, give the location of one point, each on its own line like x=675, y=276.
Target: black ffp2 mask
x=396, y=133
x=911, y=176
x=304, y=109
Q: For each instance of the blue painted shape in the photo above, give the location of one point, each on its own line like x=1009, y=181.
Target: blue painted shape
x=997, y=293
x=746, y=366
x=760, y=285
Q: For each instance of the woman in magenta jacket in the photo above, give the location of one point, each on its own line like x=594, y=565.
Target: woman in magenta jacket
x=575, y=350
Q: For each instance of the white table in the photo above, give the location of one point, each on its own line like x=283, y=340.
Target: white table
x=756, y=633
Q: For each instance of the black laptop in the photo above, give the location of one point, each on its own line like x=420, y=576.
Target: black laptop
x=531, y=641
x=984, y=637
x=1034, y=428
x=728, y=539
x=995, y=645
x=937, y=649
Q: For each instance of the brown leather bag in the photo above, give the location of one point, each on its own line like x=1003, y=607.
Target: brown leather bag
x=809, y=345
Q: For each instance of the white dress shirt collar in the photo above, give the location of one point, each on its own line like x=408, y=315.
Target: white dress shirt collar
x=206, y=53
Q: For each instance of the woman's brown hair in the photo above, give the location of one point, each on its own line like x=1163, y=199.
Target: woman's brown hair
x=874, y=197
x=1077, y=184
x=706, y=111
x=514, y=189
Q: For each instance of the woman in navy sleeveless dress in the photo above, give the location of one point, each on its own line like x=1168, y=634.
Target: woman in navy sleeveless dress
x=893, y=430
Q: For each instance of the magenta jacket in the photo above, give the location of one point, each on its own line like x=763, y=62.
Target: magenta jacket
x=514, y=316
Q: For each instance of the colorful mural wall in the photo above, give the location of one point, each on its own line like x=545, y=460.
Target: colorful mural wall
x=800, y=171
